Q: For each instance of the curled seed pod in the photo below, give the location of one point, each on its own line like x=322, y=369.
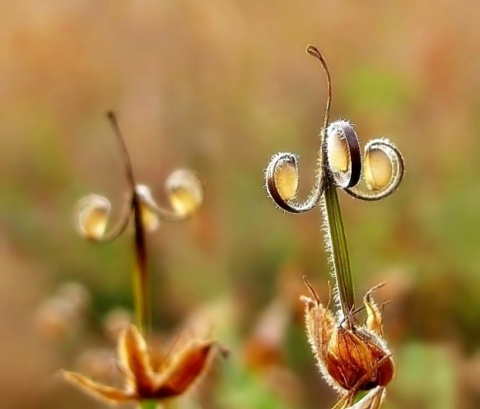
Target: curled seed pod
x=185, y=192
x=378, y=168
x=343, y=153
x=285, y=176
x=281, y=177
x=150, y=219
x=91, y=216
x=383, y=170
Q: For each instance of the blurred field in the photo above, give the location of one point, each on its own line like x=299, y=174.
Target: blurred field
x=219, y=86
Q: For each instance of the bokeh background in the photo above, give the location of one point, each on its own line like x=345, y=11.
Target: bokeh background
x=219, y=86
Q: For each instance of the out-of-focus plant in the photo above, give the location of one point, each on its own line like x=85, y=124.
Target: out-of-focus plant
x=351, y=357
x=146, y=381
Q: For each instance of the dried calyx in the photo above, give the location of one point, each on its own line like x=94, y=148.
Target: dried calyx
x=184, y=192
x=351, y=357
x=143, y=379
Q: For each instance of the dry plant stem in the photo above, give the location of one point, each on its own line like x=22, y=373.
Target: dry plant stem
x=140, y=275
x=336, y=244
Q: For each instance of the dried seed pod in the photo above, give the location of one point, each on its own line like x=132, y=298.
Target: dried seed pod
x=378, y=169
x=382, y=173
x=343, y=153
x=286, y=177
x=185, y=192
x=150, y=219
x=91, y=216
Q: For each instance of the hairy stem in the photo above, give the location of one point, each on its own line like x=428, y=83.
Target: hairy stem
x=337, y=245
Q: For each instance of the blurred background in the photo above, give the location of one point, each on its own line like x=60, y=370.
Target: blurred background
x=219, y=87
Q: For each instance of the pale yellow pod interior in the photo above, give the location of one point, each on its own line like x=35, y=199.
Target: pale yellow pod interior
x=92, y=213
x=150, y=219
x=338, y=153
x=286, y=180
x=378, y=169
x=185, y=192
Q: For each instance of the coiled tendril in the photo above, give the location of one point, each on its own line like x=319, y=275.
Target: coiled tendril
x=184, y=192
x=373, y=176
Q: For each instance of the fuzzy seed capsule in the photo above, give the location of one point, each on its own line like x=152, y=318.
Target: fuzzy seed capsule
x=185, y=192
x=338, y=152
x=286, y=177
x=343, y=153
x=91, y=216
x=378, y=169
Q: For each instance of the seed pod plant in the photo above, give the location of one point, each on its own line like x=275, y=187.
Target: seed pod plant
x=351, y=357
x=185, y=194
x=145, y=383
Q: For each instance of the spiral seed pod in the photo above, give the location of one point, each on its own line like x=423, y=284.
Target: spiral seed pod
x=343, y=153
x=378, y=169
x=91, y=216
x=150, y=219
x=185, y=192
x=285, y=176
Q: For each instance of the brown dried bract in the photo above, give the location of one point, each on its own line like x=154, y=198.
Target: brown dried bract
x=351, y=357
x=178, y=371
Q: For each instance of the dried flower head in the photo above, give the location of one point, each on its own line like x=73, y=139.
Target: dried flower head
x=144, y=381
x=351, y=357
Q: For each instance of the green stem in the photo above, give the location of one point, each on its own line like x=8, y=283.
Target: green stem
x=337, y=245
x=148, y=404
x=141, y=277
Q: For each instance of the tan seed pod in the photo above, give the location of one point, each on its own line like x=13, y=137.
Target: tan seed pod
x=150, y=219
x=91, y=216
x=185, y=192
x=378, y=169
x=286, y=177
x=338, y=152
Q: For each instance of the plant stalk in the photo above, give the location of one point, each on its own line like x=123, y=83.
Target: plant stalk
x=141, y=276
x=337, y=245
x=148, y=404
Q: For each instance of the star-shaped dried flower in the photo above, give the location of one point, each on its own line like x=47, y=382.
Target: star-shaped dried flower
x=351, y=357
x=170, y=379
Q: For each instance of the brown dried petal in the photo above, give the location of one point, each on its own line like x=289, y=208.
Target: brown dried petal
x=184, y=369
x=374, y=315
x=320, y=323
x=133, y=354
x=97, y=390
